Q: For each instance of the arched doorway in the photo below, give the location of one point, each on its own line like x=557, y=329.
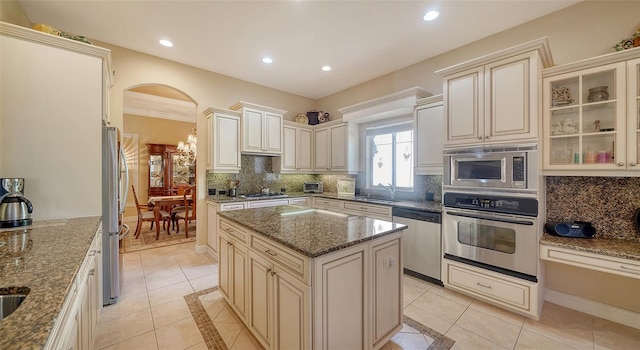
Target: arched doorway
x=153, y=114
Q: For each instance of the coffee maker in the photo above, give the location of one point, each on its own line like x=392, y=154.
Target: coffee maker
x=15, y=209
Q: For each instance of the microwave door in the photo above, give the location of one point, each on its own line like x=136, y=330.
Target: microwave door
x=485, y=171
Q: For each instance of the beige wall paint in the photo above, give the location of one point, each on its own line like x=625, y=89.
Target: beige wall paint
x=618, y=291
x=587, y=29
x=12, y=12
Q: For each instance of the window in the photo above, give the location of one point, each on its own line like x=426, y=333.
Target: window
x=390, y=156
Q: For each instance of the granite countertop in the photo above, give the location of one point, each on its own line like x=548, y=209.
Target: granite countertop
x=618, y=248
x=311, y=232
x=55, y=251
x=431, y=206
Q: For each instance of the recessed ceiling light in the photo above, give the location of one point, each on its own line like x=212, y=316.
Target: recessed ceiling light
x=431, y=15
x=267, y=60
x=166, y=43
x=326, y=68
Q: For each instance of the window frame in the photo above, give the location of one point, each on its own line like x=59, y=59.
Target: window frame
x=400, y=124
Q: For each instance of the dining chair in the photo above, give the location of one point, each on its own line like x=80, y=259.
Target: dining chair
x=149, y=215
x=188, y=213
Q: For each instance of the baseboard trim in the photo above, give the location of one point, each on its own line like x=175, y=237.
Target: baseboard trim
x=201, y=249
x=594, y=308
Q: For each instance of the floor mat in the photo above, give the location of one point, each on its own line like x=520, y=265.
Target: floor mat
x=147, y=238
x=214, y=341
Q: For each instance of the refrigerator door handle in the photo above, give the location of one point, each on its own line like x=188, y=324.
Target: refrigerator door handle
x=125, y=189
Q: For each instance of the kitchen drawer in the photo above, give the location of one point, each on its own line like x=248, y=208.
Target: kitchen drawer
x=233, y=231
x=299, y=201
x=378, y=210
x=598, y=262
x=267, y=203
x=289, y=260
x=328, y=204
x=491, y=286
x=231, y=206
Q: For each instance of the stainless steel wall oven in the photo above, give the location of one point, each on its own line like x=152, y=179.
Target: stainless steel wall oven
x=494, y=231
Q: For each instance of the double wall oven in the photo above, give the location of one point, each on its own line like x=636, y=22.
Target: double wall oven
x=490, y=216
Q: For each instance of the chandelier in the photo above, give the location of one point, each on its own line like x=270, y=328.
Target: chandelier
x=189, y=149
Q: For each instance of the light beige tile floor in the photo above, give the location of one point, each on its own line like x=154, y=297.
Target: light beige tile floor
x=152, y=314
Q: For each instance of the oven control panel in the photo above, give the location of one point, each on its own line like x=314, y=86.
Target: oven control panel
x=499, y=204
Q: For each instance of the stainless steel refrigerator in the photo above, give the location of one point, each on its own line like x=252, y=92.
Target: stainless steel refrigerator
x=114, y=191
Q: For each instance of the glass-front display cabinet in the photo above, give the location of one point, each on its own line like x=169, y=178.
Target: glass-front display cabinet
x=157, y=173
x=169, y=169
x=633, y=114
x=585, y=124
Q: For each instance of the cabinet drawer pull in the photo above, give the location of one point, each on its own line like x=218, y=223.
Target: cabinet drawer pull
x=268, y=270
x=621, y=164
x=273, y=273
x=93, y=253
x=632, y=270
x=632, y=164
x=482, y=285
x=229, y=243
x=92, y=272
x=271, y=252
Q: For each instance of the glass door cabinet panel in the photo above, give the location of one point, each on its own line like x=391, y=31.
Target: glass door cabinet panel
x=633, y=113
x=584, y=121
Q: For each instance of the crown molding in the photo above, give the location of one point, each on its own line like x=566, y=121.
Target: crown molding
x=159, y=107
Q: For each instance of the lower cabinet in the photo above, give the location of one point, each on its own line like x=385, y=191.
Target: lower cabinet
x=512, y=293
x=279, y=306
x=348, y=299
x=76, y=326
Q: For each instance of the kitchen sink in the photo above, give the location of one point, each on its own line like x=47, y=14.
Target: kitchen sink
x=11, y=301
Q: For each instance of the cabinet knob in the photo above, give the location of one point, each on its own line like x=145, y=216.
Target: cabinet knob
x=621, y=164
x=273, y=273
x=632, y=164
x=268, y=270
x=480, y=138
x=486, y=137
x=92, y=272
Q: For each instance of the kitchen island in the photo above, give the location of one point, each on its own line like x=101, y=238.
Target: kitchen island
x=312, y=279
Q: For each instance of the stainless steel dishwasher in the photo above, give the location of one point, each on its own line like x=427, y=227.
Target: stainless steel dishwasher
x=422, y=243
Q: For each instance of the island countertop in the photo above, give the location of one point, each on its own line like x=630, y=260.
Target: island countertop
x=312, y=232
x=48, y=266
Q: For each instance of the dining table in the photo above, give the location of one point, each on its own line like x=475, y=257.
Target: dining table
x=158, y=202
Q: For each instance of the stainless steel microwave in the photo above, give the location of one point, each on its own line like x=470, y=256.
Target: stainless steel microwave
x=312, y=187
x=500, y=167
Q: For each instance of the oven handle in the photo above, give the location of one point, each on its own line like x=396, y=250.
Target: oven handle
x=510, y=221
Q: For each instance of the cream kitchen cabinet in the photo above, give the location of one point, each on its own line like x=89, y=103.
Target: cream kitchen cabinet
x=213, y=224
x=515, y=294
x=297, y=150
x=387, y=270
x=336, y=148
x=261, y=128
x=428, y=131
x=233, y=268
x=375, y=211
x=56, y=85
x=268, y=203
x=587, y=132
x=494, y=98
x=334, y=205
x=223, y=140
x=280, y=305
x=299, y=201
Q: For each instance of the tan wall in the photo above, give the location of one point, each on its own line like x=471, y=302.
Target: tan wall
x=598, y=286
x=12, y=12
x=587, y=29
x=149, y=130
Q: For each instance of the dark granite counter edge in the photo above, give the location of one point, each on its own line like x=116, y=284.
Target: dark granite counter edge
x=434, y=207
x=618, y=248
x=309, y=253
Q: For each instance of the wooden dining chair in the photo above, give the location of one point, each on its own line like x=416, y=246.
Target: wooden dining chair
x=188, y=213
x=144, y=214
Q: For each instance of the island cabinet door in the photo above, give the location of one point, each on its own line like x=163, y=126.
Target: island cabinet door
x=224, y=268
x=292, y=312
x=260, y=297
x=339, y=300
x=387, y=290
x=240, y=267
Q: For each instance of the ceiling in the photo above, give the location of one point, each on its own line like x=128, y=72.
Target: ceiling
x=360, y=40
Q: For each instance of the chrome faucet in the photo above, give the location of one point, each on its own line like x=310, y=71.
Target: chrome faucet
x=390, y=188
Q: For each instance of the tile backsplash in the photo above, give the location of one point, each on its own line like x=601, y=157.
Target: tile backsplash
x=609, y=203
x=256, y=172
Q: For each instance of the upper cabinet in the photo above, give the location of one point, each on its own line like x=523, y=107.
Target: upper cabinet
x=261, y=129
x=336, y=148
x=591, y=116
x=297, y=151
x=494, y=98
x=428, y=128
x=223, y=140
